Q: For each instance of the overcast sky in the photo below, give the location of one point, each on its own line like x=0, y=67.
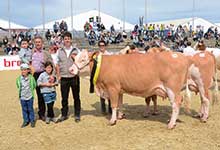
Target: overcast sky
x=29, y=12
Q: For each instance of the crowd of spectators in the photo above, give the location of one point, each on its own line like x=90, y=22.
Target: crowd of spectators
x=140, y=36
x=99, y=32
x=12, y=47
x=176, y=37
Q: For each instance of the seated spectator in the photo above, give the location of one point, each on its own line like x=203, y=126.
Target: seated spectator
x=188, y=51
x=5, y=41
x=124, y=34
x=92, y=38
x=118, y=38
x=201, y=46
x=7, y=49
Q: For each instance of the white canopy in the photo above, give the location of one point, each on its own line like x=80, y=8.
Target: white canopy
x=4, y=24
x=80, y=19
x=189, y=21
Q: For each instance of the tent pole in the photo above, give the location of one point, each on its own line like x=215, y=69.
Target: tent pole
x=123, y=15
x=71, y=9
x=193, y=15
x=43, y=16
x=9, y=20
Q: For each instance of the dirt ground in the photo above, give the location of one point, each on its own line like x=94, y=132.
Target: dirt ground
x=94, y=133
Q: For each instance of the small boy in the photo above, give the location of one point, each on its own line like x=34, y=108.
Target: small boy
x=26, y=85
x=25, y=53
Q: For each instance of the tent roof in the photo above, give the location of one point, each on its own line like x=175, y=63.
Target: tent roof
x=4, y=24
x=218, y=24
x=189, y=21
x=80, y=19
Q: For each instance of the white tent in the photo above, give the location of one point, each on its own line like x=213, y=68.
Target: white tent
x=188, y=22
x=4, y=24
x=218, y=24
x=80, y=19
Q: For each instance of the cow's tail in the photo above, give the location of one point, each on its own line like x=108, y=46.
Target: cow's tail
x=215, y=93
x=187, y=94
x=187, y=97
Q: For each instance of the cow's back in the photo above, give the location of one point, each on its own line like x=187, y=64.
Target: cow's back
x=140, y=73
x=206, y=63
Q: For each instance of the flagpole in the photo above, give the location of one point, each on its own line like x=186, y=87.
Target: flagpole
x=71, y=9
x=9, y=20
x=43, y=15
x=193, y=15
x=123, y=15
x=99, y=7
x=145, y=11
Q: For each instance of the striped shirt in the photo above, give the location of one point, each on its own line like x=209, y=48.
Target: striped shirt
x=45, y=78
x=26, y=93
x=37, y=61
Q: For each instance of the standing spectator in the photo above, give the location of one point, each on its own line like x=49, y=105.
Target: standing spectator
x=48, y=35
x=65, y=27
x=47, y=83
x=67, y=80
x=39, y=57
x=25, y=53
x=62, y=27
x=56, y=27
x=26, y=85
x=103, y=51
x=112, y=28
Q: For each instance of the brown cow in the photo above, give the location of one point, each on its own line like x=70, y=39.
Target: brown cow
x=162, y=74
x=201, y=74
x=150, y=98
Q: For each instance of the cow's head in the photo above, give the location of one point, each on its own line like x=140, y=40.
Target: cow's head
x=81, y=63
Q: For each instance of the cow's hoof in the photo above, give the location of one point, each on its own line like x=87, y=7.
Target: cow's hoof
x=146, y=114
x=155, y=113
x=197, y=116
x=122, y=116
x=171, y=126
x=203, y=120
x=112, y=123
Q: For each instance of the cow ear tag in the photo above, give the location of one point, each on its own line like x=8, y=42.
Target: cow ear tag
x=202, y=55
x=174, y=55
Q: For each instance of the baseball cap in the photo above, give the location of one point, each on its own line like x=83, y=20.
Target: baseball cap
x=24, y=66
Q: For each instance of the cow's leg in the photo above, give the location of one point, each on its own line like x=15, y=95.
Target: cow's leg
x=175, y=111
x=147, y=111
x=114, y=98
x=154, y=99
x=205, y=106
x=113, y=119
x=121, y=115
x=204, y=97
x=175, y=100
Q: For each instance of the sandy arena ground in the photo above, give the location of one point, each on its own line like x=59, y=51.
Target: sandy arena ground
x=94, y=133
